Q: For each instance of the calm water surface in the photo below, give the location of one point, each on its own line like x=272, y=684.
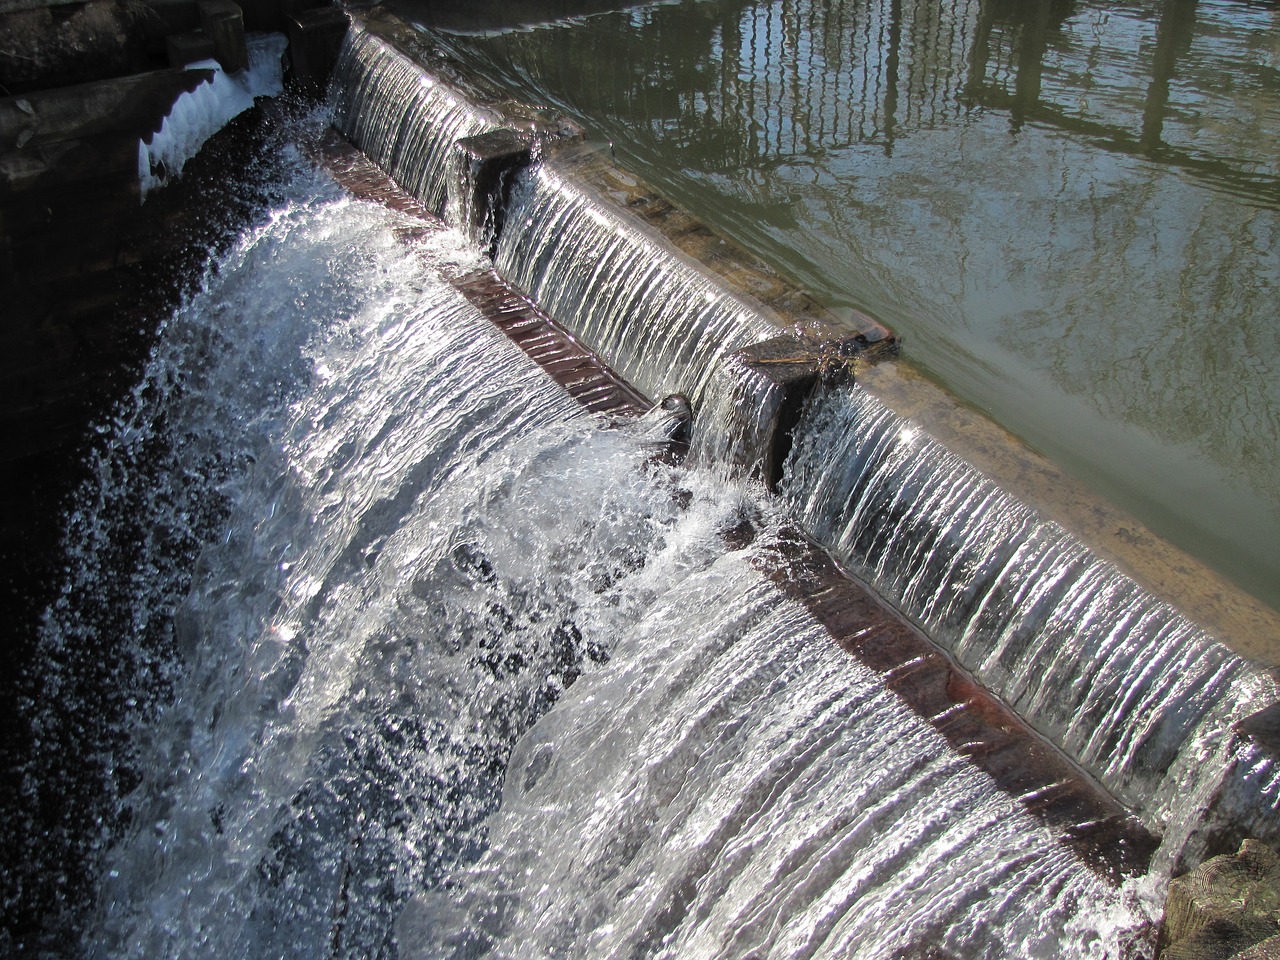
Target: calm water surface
x=1068, y=209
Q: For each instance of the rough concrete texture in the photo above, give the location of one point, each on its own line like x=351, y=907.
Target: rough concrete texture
x=487, y=166
x=1226, y=906
x=791, y=368
x=72, y=43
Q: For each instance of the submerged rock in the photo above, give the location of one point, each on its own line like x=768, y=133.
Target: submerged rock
x=1229, y=906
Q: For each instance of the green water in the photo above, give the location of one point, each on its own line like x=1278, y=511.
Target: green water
x=1070, y=210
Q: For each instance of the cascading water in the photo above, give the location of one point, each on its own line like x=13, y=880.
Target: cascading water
x=739, y=408
x=402, y=117
x=448, y=667
x=394, y=597
x=662, y=324
x=732, y=786
x=1127, y=686
x=426, y=556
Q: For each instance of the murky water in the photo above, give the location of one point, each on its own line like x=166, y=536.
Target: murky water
x=1069, y=209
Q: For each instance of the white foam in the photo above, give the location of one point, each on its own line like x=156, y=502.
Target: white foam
x=198, y=115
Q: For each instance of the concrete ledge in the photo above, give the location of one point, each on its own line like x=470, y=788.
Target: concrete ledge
x=315, y=39
x=1083, y=817
x=51, y=45
x=852, y=334
x=1237, y=620
x=584, y=376
x=486, y=167
x=976, y=724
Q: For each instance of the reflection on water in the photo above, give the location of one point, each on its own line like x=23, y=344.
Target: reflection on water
x=1069, y=209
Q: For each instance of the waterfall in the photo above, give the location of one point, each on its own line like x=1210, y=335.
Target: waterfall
x=1127, y=686
x=394, y=594
x=738, y=408
x=661, y=322
x=422, y=658
x=401, y=116
x=428, y=560
x=732, y=786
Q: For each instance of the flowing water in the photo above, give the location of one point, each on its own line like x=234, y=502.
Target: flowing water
x=731, y=786
x=412, y=558
x=1070, y=210
x=409, y=655
x=402, y=118
x=1124, y=683
x=663, y=325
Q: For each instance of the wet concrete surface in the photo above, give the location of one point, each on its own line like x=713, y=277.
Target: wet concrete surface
x=976, y=724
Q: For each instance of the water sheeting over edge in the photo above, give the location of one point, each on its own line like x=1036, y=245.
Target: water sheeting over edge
x=636, y=301
x=424, y=542
x=1131, y=689
x=198, y=115
x=731, y=785
x=403, y=118
x=664, y=324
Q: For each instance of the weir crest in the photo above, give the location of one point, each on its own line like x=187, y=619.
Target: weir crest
x=1116, y=678
x=446, y=647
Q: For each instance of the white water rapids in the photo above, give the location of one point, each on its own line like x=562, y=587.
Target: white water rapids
x=415, y=560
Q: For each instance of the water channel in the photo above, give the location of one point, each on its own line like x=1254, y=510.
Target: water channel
x=413, y=654
x=1070, y=210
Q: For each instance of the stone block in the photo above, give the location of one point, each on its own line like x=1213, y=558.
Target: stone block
x=315, y=40
x=788, y=371
x=223, y=22
x=486, y=167
x=187, y=48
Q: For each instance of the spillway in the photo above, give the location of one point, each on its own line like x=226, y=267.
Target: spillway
x=422, y=656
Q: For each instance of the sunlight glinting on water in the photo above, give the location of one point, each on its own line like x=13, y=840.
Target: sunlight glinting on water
x=1120, y=680
x=400, y=116
x=430, y=558
x=662, y=324
x=731, y=785
x=422, y=659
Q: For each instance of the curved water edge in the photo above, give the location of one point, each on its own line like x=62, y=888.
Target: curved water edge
x=1067, y=212
x=666, y=326
x=389, y=604
x=423, y=546
x=1120, y=681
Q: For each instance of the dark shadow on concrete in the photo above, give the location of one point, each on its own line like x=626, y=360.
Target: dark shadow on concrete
x=86, y=304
